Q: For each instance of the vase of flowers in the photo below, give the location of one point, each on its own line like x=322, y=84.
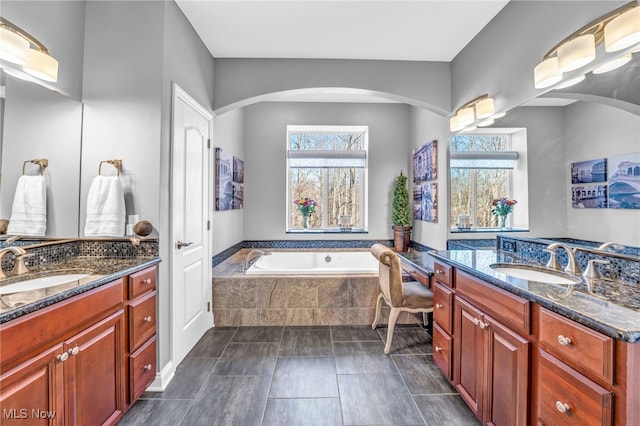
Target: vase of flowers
x=501, y=208
x=306, y=206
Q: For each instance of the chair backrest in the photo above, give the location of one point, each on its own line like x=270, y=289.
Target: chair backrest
x=390, y=274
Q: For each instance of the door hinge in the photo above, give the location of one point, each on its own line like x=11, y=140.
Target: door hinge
x=208, y=225
x=209, y=143
x=208, y=306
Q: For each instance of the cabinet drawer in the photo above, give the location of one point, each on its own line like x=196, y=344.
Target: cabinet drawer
x=443, y=274
x=142, y=369
x=502, y=305
x=577, y=344
x=142, y=282
x=142, y=320
x=566, y=397
x=442, y=350
x=442, y=304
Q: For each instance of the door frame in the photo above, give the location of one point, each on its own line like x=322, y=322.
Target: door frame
x=180, y=94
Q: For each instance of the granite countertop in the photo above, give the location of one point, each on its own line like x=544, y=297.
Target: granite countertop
x=610, y=307
x=101, y=270
x=420, y=259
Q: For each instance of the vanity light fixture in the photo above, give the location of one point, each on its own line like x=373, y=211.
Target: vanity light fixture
x=19, y=47
x=475, y=113
x=619, y=29
x=571, y=82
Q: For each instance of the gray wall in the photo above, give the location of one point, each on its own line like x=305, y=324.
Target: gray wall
x=587, y=139
x=265, y=161
x=228, y=228
x=240, y=82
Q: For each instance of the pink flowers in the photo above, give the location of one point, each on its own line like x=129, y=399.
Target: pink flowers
x=306, y=205
x=503, y=206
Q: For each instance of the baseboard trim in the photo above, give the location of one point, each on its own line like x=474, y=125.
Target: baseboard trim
x=162, y=378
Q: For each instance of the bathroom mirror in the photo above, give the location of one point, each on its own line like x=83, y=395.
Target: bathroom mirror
x=39, y=123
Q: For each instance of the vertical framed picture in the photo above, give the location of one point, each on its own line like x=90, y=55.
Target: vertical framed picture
x=224, y=178
x=425, y=162
x=238, y=170
x=624, y=181
x=429, y=202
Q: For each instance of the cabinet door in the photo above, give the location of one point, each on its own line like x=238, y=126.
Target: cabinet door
x=32, y=393
x=95, y=373
x=508, y=376
x=469, y=354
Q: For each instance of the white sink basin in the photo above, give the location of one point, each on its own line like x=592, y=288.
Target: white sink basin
x=532, y=273
x=40, y=283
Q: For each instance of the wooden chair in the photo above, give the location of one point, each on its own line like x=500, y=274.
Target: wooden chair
x=400, y=296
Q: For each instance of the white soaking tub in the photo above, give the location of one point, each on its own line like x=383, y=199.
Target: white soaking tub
x=314, y=263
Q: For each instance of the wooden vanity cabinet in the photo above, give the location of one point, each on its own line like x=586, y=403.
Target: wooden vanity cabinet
x=491, y=351
x=414, y=274
x=140, y=295
x=441, y=286
x=64, y=364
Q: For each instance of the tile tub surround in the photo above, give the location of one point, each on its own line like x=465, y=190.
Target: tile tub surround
x=612, y=308
x=276, y=300
x=626, y=268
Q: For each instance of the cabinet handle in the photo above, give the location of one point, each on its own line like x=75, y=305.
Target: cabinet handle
x=439, y=272
x=562, y=407
x=147, y=319
x=146, y=281
x=476, y=321
x=62, y=357
x=437, y=349
x=148, y=367
x=564, y=341
x=483, y=325
x=439, y=306
x=74, y=351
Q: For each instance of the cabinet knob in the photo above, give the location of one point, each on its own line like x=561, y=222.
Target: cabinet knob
x=74, y=351
x=562, y=407
x=476, y=321
x=147, y=319
x=146, y=281
x=437, y=349
x=483, y=325
x=62, y=357
x=439, y=272
x=439, y=306
x=564, y=341
x=148, y=367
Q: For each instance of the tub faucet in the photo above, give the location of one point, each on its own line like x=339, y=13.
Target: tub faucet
x=615, y=246
x=247, y=258
x=20, y=253
x=572, y=265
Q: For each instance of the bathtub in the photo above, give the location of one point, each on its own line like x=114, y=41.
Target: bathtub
x=315, y=263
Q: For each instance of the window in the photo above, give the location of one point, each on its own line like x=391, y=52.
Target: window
x=329, y=165
x=480, y=171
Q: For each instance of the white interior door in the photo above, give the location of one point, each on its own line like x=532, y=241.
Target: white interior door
x=191, y=259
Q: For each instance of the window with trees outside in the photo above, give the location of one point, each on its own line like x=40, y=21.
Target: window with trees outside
x=480, y=171
x=327, y=164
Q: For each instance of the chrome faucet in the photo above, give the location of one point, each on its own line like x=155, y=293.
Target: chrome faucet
x=247, y=258
x=615, y=246
x=20, y=254
x=572, y=265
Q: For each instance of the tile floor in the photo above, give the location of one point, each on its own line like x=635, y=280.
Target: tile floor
x=294, y=376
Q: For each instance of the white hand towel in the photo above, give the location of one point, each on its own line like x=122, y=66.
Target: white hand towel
x=105, y=208
x=29, y=210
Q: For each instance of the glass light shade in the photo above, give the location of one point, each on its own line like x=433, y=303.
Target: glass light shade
x=576, y=53
x=13, y=48
x=484, y=108
x=470, y=128
x=466, y=116
x=41, y=65
x=547, y=73
x=623, y=31
x=498, y=115
x=613, y=64
x=571, y=82
x=454, y=124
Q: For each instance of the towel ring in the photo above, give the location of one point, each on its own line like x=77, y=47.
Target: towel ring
x=43, y=163
x=115, y=163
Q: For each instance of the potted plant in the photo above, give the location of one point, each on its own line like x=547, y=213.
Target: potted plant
x=401, y=214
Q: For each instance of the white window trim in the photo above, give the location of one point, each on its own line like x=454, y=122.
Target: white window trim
x=364, y=196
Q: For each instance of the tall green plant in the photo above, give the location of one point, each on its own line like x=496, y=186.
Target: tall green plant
x=401, y=208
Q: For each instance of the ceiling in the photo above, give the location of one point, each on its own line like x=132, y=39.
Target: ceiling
x=414, y=30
